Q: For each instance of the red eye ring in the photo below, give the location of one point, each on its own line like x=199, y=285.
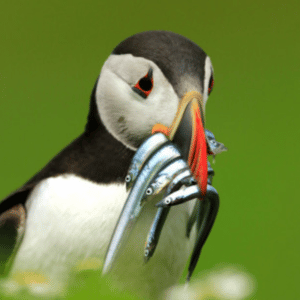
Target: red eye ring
x=145, y=85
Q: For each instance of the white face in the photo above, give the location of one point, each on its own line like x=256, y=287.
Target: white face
x=127, y=115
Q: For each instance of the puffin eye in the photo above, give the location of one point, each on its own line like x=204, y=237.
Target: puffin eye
x=144, y=85
x=211, y=84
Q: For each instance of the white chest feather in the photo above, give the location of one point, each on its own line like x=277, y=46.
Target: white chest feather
x=70, y=220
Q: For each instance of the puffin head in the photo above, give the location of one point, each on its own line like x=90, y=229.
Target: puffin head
x=144, y=83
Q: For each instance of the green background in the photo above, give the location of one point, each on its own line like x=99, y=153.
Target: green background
x=51, y=55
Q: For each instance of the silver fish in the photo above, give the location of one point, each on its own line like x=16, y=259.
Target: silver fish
x=142, y=154
x=215, y=147
x=180, y=177
x=134, y=202
x=165, y=176
x=181, y=196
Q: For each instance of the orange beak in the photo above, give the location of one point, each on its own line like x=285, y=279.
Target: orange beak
x=187, y=132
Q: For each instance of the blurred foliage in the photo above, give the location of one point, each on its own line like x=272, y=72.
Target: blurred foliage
x=86, y=284
x=222, y=282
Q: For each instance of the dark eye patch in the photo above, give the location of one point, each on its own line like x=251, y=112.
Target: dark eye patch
x=211, y=84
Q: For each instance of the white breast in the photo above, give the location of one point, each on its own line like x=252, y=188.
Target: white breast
x=70, y=220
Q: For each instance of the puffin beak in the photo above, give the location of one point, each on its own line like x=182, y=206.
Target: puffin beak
x=187, y=132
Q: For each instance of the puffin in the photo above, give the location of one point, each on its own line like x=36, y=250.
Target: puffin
x=62, y=219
